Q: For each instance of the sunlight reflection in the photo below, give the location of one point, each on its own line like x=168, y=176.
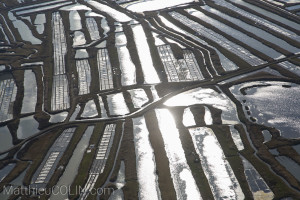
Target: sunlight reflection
x=219, y=173
x=210, y=97
x=188, y=118
x=184, y=183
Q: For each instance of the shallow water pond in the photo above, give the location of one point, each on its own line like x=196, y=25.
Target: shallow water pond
x=138, y=97
x=217, y=169
x=117, y=104
x=28, y=126
x=90, y=109
x=30, y=92
x=183, y=180
x=209, y=97
x=146, y=167
x=274, y=104
x=188, y=118
x=5, y=139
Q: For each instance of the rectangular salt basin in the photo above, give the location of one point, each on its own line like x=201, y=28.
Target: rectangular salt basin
x=259, y=20
x=236, y=34
x=183, y=180
x=117, y=15
x=138, y=97
x=117, y=104
x=188, y=118
x=227, y=64
x=145, y=161
x=128, y=76
x=217, y=169
x=257, y=31
x=30, y=92
x=72, y=168
x=150, y=74
x=75, y=21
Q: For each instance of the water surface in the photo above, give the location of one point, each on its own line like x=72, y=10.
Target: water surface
x=28, y=126
x=273, y=105
x=217, y=169
x=145, y=161
x=184, y=183
x=117, y=104
x=30, y=92
x=5, y=139
x=138, y=97
x=150, y=74
x=72, y=168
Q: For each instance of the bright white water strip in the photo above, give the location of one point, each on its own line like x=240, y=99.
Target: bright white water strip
x=291, y=67
x=30, y=92
x=117, y=15
x=118, y=27
x=117, y=104
x=150, y=74
x=138, y=97
x=76, y=6
x=128, y=76
x=81, y=54
x=183, y=180
x=188, y=118
x=154, y=93
x=39, y=23
x=142, y=6
x=103, y=110
x=75, y=21
x=90, y=109
x=209, y=97
x=79, y=38
x=207, y=116
x=236, y=138
x=219, y=39
x=157, y=39
x=221, y=178
x=145, y=161
x=92, y=14
x=104, y=26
